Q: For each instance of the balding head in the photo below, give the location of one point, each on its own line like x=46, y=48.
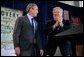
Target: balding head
x=57, y=13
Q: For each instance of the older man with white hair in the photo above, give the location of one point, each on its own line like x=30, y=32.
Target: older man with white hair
x=54, y=27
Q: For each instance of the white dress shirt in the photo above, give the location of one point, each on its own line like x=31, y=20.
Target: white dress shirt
x=30, y=19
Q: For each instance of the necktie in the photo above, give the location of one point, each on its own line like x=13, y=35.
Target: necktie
x=33, y=24
x=34, y=40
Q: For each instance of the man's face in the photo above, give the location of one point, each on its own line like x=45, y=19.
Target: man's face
x=34, y=11
x=57, y=14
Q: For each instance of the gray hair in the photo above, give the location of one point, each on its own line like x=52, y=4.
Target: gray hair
x=59, y=8
x=29, y=6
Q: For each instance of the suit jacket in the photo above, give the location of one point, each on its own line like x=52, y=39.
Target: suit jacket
x=50, y=32
x=23, y=36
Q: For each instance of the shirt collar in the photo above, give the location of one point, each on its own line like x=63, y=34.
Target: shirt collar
x=29, y=16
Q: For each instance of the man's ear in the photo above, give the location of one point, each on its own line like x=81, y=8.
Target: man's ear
x=32, y=8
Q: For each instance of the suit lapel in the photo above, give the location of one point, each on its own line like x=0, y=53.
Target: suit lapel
x=28, y=22
x=36, y=25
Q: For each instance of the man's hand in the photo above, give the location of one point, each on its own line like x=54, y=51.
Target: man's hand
x=55, y=25
x=17, y=51
x=41, y=52
x=60, y=21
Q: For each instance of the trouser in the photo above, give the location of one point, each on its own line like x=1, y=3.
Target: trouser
x=33, y=51
x=65, y=47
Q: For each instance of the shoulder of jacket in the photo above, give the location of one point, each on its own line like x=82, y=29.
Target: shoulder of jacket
x=21, y=17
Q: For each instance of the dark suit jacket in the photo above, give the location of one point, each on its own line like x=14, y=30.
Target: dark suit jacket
x=23, y=36
x=53, y=41
x=49, y=31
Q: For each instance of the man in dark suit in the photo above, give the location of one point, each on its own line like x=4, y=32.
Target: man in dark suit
x=26, y=35
x=54, y=27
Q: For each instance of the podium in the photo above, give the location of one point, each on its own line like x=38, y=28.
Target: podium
x=75, y=33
